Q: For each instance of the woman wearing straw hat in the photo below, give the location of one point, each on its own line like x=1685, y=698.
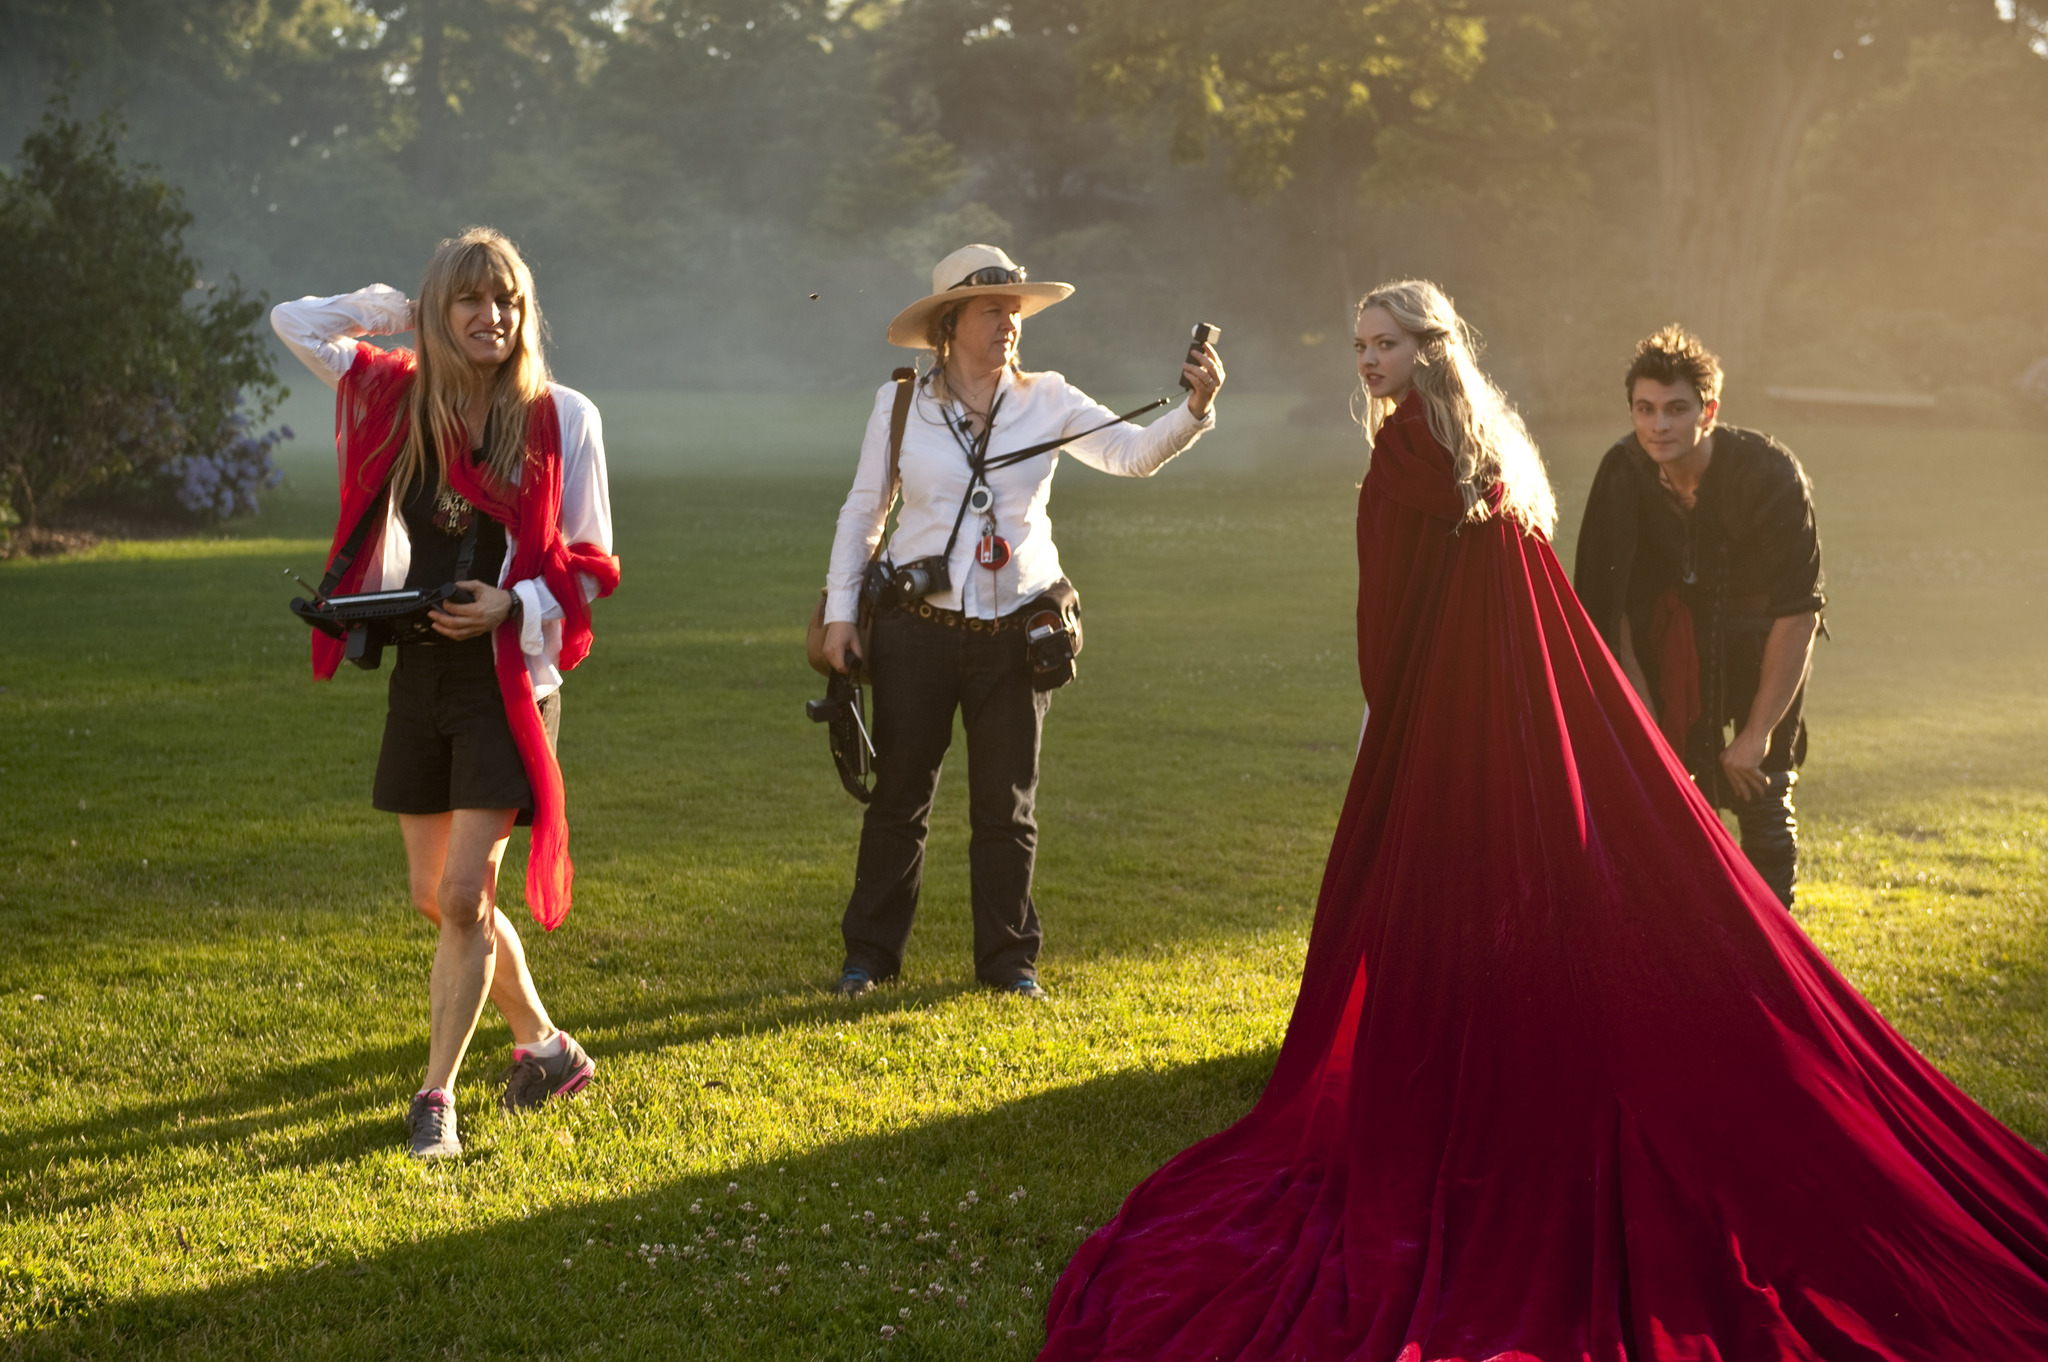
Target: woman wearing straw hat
x=961, y=645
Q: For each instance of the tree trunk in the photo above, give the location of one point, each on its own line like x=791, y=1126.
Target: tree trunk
x=1734, y=98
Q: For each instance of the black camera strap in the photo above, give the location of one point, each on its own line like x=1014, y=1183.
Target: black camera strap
x=351, y=546
x=980, y=465
x=1033, y=451
x=977, y=467
x=467, y=555
x=354, y=545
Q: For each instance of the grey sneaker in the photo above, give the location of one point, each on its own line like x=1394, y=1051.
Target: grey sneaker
x=532, y=1080
x=432, y=1122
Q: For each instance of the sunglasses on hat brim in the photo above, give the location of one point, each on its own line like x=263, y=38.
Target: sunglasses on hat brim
x=989, y=275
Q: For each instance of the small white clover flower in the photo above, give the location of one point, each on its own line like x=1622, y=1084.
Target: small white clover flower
x=732, y=1189
x=888, y=1331
x=904, y=1313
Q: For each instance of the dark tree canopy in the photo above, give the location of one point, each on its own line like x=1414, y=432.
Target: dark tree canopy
x=684, y=174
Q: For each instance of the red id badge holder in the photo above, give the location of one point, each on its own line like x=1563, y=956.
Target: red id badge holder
x=993, y=552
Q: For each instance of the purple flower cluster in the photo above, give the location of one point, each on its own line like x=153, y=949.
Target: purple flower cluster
x=224, y=481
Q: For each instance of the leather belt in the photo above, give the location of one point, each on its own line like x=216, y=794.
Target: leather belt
x=973, y=624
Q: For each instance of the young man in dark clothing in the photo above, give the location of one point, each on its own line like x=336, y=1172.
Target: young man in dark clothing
x=1699, y=562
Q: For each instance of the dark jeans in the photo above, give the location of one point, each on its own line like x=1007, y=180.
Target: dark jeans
x=1770, y=832
x=922, y=672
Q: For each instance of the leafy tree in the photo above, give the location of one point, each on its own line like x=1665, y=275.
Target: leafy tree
x=110, y=379
x=1948, y=161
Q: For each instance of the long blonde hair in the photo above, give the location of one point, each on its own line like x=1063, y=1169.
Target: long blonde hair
x=479, y=255
x=1468, y=415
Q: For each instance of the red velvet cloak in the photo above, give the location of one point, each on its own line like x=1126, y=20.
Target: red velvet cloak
x=1564, y=1081
x=370, y=425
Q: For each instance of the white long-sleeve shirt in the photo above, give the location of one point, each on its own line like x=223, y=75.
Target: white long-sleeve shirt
x=322, y=333
x=1035, y=407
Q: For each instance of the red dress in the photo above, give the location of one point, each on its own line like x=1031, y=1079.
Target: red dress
x=1564, y=1081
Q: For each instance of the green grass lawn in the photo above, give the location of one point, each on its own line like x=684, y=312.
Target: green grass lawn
x=213, y=995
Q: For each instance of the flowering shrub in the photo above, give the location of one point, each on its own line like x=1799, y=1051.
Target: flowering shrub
x=222, y=482
x=122, y=370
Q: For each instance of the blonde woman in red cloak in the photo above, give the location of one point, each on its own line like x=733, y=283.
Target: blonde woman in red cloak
x=1564, y=1080
x=465, y=462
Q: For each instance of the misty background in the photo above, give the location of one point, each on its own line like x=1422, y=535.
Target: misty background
x=1846, y=194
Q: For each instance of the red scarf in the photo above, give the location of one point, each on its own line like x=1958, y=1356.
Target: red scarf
x=1676, y=648
x=370, y=428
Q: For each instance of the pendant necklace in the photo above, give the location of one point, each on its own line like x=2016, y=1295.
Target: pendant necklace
x=452, y=512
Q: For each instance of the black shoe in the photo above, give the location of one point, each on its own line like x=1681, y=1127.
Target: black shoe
x=853, y=983
x=1024, y=986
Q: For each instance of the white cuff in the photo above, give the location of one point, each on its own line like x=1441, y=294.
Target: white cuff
x=535, y=604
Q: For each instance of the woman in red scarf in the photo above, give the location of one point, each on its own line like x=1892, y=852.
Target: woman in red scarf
x=1564, y=1080
x=465, y=455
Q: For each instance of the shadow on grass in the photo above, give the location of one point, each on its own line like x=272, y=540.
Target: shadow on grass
x=354, y=1102
x=819, y=1277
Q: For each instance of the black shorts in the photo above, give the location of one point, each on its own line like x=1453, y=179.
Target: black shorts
x=446, y=743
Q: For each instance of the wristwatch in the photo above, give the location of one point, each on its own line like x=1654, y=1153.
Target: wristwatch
x=518, y=609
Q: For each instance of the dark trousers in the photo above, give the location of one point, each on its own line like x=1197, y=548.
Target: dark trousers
x=1770, y=832
x=922, y=672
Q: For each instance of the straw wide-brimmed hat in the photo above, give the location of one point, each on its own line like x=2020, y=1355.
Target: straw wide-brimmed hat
x=967, y=272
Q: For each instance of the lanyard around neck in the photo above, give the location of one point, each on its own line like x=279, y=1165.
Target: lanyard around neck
x=980, y=464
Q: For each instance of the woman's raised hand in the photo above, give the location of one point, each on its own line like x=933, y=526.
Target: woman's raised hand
x=1206, y=377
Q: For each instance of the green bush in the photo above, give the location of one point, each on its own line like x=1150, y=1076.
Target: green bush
x=122, y=372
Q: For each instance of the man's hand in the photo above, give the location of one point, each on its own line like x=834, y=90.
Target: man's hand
x=1788, y=651
x=1742, y=762
x=842, y=646
x=486, y=610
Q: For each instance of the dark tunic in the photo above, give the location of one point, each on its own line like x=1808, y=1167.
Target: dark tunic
x=1746, y=555
x=437, y=545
